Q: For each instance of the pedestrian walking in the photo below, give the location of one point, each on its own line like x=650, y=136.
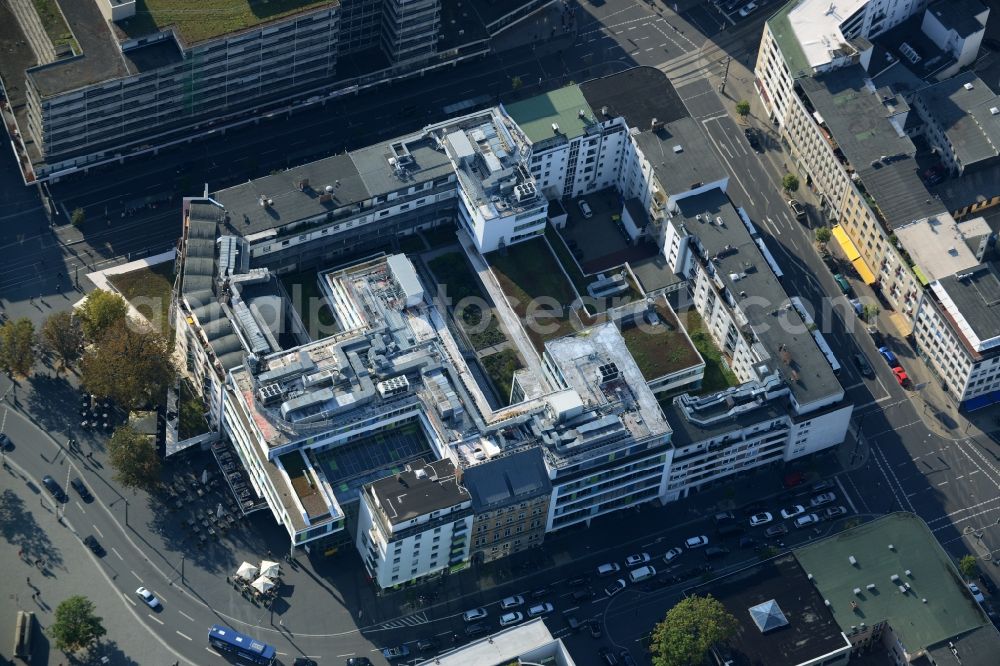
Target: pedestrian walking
x=29, y=580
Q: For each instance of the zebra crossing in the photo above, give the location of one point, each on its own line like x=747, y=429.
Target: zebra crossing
x=414, y=620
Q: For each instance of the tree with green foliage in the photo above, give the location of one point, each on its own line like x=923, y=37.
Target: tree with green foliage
x=823, y=234
x=63, y=337
x=134, y=459
x=76, y=625
x=689, y=631
x=78, y=217
x=17, y=346
x=131, y=367
x=516, y=82
x=790, y=183
x=968, y=565
x=870, y=312
x=100, y=311
x=743, y=108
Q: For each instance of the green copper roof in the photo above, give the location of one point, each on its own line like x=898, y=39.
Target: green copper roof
x=535, y=115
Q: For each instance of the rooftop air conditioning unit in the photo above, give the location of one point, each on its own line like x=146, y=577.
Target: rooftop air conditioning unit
x=555, y=127
x=968, y=86
x=994, y=110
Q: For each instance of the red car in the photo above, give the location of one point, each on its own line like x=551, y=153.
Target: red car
x=901, y=376
x=793, y=479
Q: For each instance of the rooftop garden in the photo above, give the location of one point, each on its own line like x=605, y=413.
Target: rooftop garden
x=149, y=290
x=197, y=21
x=718, y=376
x=55, y=25
x=500, y=368
x=191, y=410
x=452, y=271
x=660, y=350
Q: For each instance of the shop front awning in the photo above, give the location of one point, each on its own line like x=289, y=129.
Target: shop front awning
x=846, y=244
x=862, y=268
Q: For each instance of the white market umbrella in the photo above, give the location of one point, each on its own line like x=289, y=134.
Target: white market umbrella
x=269, y=569
x=204, y=476
x=262, y=584
x=219, y=511
x=246, y=571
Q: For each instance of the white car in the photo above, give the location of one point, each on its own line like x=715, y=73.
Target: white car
x=508, y=619
x=148, y=597
x=512, y=602
x=696, y=542
x=762, y=518
x=608, y=569
x=792, y=511
x=835, y=511
x=474, y=614
x=638, y=558
x=671, y=554
x=806, y=520
x=820, y=500
x=748, y=9
x=976, y=593
x=539, y=609
x=585, y=208
x=615, y=587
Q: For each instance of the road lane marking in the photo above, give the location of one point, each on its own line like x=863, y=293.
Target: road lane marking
x=846, y=495
x=183, y=635
x=154, y=618
x=349, y=654
x=98, y=530
x=117, y=553
x=186, y=615
x=213, y=652
x=135, y=574
x=129, y=599
x=283, y=654
x=80, y=506
x=943, y=483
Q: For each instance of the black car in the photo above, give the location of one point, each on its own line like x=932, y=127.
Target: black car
x=580, y=596
x=54, y=488
x=81, y=489
x=427, y=645
x=573, y=623
x=864, y=366
x=724, y=517
x=595, y=628
x=752, y=139
x=358, y=661
x=477, y=629
x=303, y=661
x=713, y=552
x=94, y=546
x=609, y=657
x=4, y=442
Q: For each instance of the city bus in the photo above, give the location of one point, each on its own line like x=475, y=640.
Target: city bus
x=22, y=635
x=243, y=647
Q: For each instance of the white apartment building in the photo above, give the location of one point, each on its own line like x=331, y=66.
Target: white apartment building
x=415, y=523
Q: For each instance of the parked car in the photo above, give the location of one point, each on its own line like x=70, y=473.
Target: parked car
x=642, y=573
x=820, y=500
x=512, y=602
x=724, y=517
x=889, y=357
x=595, y=628
x=638, y=558
x=358, y=661
x=477, y=629
x=396, y=653
x=428, y=645
x=303, y=661
x=900, y=375
x=573, y=623
x=793, y=479
x=876, y=335
x=615, y=587
x=776, y=530
x=820, y=486
x=753, y=139
x=627, y=659
x=748, y=9
x=747, y=542
x=976, y=593
x=933, y=175
x=608, y=569
x=864, y=367
x=762, y=518
x=508, y=619
x=609, y=657
x=842, y=282
x=696, y=542
x=806, y=520
x=148, y=597
x=671, y=554
x=713, y=552
x=474, y=614
x=797, y=210
x=54, y=489
x=834, y=512
x=81, y=489
x=792, y=511
x=94, y=546
x=585, y=209
x=581, y=595
x=539, y=610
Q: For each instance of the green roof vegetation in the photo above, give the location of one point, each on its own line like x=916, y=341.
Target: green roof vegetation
x=148, y=290
x=535, y=115
x=883, y=548
x=718, y=376
x=198, y=21
x=788, y=43
x=55, y=25
x=661, y=350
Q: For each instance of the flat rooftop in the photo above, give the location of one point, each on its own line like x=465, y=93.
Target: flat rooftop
x=638, y=95
x=787, y=348
x=979, y=647
x=972, y=300
x=937, y=245
x=681, y=156
x=809, y=632
x=687, y=432
x=530, y=641
x=194, y=22
x=858, y=117
x=660, y=349
x=507, y=479
x=536, y=115
x=808, y=30
x=949, y=609
x=963, y=108
x=418, y=490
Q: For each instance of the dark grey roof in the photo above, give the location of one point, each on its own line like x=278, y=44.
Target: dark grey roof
x=687, y=432
x=638, y=95
x=932, y=61
x=506, y=480
x=419, y=490
x=679, y=171
x=976, y=294
x=735, y=252
x=811, y=631
x=964, y=114
x=897, y=77
x=975, y=186
x=372, y=164
x=958, y=15
x=978, y=647
x=859, y=120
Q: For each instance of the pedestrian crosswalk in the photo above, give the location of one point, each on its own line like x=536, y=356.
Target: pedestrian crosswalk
x=414, y=620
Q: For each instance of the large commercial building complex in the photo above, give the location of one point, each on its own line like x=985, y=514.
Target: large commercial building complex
x=863, y=93
x=361, y=416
